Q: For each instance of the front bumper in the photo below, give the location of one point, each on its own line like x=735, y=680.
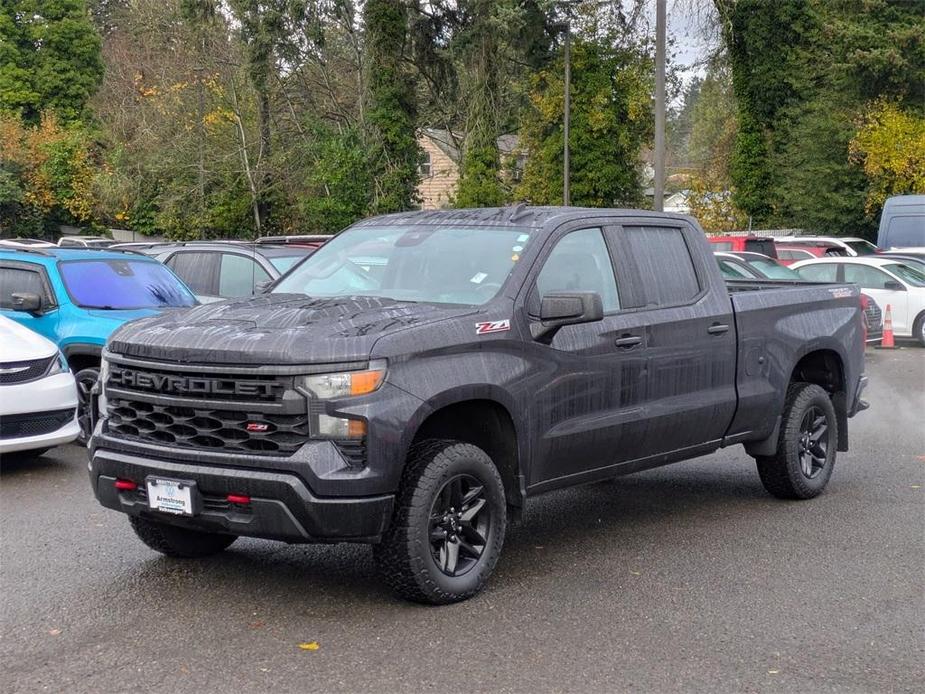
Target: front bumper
x=49, y=396
x=282, y=507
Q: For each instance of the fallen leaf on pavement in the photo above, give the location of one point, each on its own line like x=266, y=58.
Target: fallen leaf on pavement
x=54, y=632
x=310, y=646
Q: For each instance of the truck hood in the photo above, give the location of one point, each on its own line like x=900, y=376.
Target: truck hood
x=274, y=329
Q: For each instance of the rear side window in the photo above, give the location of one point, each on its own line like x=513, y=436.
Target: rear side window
x=763, y=246
x=14, y=280
x=239, y=275
x=665, y=265
x=906, y=231
x=819, y=273
x=580, y=263
x=197, y=270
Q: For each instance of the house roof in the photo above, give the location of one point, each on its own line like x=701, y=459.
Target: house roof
x=447, y=141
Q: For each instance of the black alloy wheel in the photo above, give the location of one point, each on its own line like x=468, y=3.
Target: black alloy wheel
x=459, y=525
x=813, y=443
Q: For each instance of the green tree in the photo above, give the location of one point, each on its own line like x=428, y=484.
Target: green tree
x=391, y=107
x=611, y=121
x=49, y=58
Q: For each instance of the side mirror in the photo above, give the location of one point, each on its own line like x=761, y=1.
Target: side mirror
x=29, y=302
x=895, y=286
x=558, y=309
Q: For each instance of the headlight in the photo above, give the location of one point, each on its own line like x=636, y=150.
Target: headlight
x=58, y=366
x=346, y=383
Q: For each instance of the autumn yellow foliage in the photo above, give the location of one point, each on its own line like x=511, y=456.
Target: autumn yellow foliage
x=890, y=145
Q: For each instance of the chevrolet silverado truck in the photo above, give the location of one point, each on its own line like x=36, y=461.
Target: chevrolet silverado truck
x=423, y=374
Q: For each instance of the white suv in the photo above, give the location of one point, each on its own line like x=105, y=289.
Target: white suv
x=38, y=396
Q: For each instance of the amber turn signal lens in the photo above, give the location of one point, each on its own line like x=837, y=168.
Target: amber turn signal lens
x=363, y=382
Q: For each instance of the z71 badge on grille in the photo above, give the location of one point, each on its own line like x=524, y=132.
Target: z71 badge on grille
x=493, y=326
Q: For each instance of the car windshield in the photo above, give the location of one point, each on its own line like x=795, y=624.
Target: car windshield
x=123, y=284
x=907, y=273
x=433, y=263
x=774, y=270
x=862, y=247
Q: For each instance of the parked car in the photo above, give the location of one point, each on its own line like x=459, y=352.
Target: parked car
x=754, y=244
x=77, y=297
x=25, y=243
x=915, y=261
x=902, y=222
x=85, y=242
x=873, y=319
x=851, y=245
x=789, y=254
x=312, y=240
x=221, y=270
x=765, y=267
x=503, y=353
x=38, y=397
x=890, y=282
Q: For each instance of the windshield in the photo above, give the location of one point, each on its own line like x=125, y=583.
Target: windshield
x=434, y=263
x=774, y=270
x=910, y=274
x=123, y=284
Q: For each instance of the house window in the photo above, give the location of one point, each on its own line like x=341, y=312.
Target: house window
x=424, y=168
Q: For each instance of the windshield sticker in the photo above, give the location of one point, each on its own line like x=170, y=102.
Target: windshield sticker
x=517, y=249
x=522, y=238
x=478, y=278
x=493, y=326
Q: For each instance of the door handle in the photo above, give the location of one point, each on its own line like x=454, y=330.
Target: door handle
x=628, y=341
x=718, y=329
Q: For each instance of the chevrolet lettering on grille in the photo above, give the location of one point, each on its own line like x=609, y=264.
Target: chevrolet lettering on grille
x=190, y=385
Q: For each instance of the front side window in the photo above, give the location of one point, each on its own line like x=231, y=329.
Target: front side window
x=123, y=284
x=579, y=262
x=432, y=263
x=665, y=265
x=15, y=280
x=866, y=277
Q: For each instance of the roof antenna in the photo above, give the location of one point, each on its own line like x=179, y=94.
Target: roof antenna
x=518, y=211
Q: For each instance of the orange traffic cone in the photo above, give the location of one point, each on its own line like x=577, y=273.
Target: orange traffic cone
x=887, y=341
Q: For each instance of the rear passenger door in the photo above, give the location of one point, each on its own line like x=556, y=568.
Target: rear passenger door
x=690, y=335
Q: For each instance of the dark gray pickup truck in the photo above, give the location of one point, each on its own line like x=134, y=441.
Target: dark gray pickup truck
x=413, y=382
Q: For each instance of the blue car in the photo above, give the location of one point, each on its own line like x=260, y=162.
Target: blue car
x=78, y=297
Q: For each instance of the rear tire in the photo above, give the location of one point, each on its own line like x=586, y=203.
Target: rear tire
x=918, y=329
x=174, y=541
x=805, y=457
x=448, y=525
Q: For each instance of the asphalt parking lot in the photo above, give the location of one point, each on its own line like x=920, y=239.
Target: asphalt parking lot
x=686, y=578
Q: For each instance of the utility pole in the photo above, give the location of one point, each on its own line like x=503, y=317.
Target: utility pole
x=659, y=201
x=567, y=117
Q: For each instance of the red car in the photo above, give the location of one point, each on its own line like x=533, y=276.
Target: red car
x=752, y=244
x=789, y=253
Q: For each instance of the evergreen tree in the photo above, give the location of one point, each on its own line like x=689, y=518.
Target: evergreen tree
x=391, y=107
x=49, y=58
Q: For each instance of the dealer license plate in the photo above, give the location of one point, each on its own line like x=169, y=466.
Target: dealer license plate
x=170, y=496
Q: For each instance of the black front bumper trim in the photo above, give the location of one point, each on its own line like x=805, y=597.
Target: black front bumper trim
x=282, y=507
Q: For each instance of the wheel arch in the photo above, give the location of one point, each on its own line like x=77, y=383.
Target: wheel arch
x=825, y=367
x=482, y=418
x=81, y=355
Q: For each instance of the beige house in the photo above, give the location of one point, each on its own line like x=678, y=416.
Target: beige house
x=440, y=168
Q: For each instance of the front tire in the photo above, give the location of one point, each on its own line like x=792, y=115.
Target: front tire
x=448, y=526
x=918, y=329
x=805, y=457
x=178, y=542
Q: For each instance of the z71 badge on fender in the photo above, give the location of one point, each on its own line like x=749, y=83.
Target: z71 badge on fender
x=492, y=326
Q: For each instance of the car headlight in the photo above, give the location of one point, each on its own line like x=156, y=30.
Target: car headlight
x=58, y=366
x=340, y=385
x=346, y=383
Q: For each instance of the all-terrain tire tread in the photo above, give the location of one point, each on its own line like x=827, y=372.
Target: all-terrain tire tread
x=399, y=556
x=776, y=472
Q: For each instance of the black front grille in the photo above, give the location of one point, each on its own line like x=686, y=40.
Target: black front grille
x=12, y=372
x=34, y=423
x=354, y=452
x=223, y=430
